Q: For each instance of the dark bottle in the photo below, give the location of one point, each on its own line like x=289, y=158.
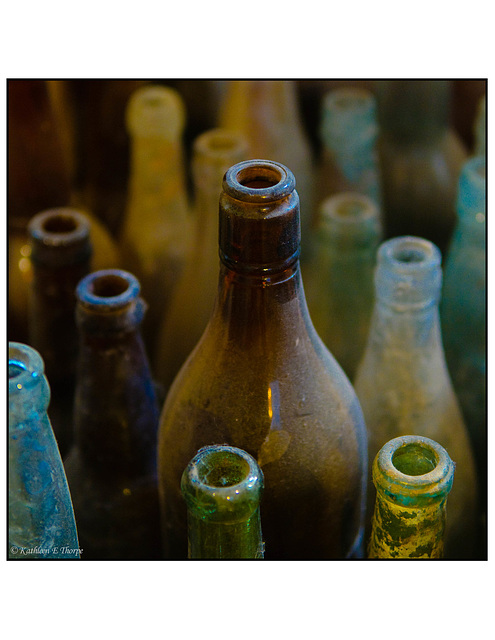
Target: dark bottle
x=60, y=257
x=222, y=487
x=111, y=468
x=41, y=517
x=413, y=477
x=262, y=380
x=420, y=159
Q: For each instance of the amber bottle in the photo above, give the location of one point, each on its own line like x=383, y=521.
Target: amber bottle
x=111, y=468
x=260, y=379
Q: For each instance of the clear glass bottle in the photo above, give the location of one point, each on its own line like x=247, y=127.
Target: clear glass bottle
x=262, y=380
x=41, y=517
x=339, y=277
x=222, y=487
x=403, y=383
x=348, y=132
x=111, y=467
x=192, y=301
x=463, y=308
x=266, y=113
x=420, y=159
x=157, y=226
x=413, y=477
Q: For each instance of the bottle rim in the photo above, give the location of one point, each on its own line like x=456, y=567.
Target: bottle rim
x=155, y=111
x=108, y=289
x=26, y=367
x=61, y=226
x=348, y=209
x=259, y=181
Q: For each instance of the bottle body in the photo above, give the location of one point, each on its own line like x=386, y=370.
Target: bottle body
x=261, y=379
x=41, y=517
x=339, y=276
x=222, y=487
x=111, y=467
x=402, y=381
x=413, y=476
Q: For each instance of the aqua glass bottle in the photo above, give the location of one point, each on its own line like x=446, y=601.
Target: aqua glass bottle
x=222, y=487
x=402, y=381
x=156, y=229
x=348, y=133
x=413, y=477
x=420, y=156
x=192, y=300
x=339, y=276
x=41, y=517
x=111, y=467
x=262, y=380
x=463, y=308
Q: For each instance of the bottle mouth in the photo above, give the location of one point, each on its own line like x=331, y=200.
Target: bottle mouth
x=26, y=367
x=413, y=470
x=59, y=227
x=348, y=209
x=259, y=181
x=108, y=289
x=220, y=144
x=155, y=111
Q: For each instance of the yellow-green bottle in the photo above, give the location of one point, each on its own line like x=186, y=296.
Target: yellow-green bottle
x=413, y=477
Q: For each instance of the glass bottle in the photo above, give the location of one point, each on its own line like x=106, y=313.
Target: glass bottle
x=266, y=112
x=261, y=379
x=420, y=159
x=402, y=381
x=192, y=301
x=60, y=256
x=222, y=487
x=41, y=518
x=156, y=229
x=463, y=308
x=413, y=477
x=348, y=132
x=339, y=276
x=111, y=467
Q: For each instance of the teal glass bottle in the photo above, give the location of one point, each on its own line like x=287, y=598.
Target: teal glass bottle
x=261, y=379
x=41, y=517
x=420, y=157
x=348, y=133
x=413, y=477
x=403, y=383
x=463, y=308
x=339, y=276
x=111, y=467
x=222, y=487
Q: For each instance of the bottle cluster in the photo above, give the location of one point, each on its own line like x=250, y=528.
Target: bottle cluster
x=174, y=389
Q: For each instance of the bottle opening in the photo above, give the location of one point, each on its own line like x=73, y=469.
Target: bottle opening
x=349, y=209
x=414, y=459
x=109, y=286
x=60, y=223
x=258, y=177
x=259, y=181
x=409, y=254
x=220, y=142
x=15, y=369
x=222, y=469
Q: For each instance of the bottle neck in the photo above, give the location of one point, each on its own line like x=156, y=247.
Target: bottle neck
x=413, y=476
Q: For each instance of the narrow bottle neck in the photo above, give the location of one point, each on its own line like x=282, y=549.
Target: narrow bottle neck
x=157, y=169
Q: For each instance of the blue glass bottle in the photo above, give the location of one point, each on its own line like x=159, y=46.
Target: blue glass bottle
x=41, y=518
x=463, y=309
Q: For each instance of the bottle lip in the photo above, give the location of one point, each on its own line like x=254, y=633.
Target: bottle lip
x=435, y=471
x=209, y=494
x=26, y=367
x=347, y=100
x=244, y=181
x=348, y=209
x=409, y=255
x=155, y=111
x=59, y=227
x=220, y=144
x=107, y=290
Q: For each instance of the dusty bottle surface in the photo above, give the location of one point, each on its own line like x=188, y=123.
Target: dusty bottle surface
x=413, y=477
x=111, y=467
x=192, y=301
x=420, y=159
x=222, y=487
x=157, y=226
x=41, y=517
x=261, y=379
x=339, y=276
x=402, y=381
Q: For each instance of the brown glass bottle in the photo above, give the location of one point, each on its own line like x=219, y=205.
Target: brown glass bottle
x=111, y=468
x=260, y=379
x=60, y=257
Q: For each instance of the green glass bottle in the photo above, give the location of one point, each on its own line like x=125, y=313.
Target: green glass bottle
x=339, y=276
x=261, y=379
x=41, y=517
x=111, y=467
x=222, y=487
x=413, y=476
